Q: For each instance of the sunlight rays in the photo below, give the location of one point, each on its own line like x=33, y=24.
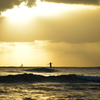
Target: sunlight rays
x=18, y=13
x=22, y=12
x=28, y=53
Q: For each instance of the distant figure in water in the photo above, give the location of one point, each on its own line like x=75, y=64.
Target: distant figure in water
x=21, y=65
x=50, y=64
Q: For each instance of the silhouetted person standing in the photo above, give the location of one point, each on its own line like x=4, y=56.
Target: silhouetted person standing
x=50, y=64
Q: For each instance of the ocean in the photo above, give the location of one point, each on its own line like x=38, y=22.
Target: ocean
x=43, y=83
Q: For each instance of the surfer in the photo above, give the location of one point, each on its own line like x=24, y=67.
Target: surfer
x=50, y=64
x=21, y=65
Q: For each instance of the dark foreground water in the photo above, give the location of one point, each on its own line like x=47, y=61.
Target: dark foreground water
x=50, y=84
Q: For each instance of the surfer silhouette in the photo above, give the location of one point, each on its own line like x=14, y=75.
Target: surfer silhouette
x=21, y=65
x=50, y=64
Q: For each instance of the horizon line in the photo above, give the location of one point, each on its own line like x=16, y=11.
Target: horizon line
x=43, y=66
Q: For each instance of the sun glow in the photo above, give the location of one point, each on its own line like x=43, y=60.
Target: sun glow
x=22, y=12
x=18, y=12
x=28, y=53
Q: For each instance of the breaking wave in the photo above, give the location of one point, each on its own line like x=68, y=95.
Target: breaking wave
x=39, y=78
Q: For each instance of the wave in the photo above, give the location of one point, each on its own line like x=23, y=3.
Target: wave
x=42, y=69
x=39, y=78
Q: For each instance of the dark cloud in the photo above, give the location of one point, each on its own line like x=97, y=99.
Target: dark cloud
x=88, y=2
x=31, y=3
x=9, y=4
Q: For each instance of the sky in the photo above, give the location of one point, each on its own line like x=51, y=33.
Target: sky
x=36, y=32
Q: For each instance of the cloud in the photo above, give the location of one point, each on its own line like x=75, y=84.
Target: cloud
x=6, y=48
x=60, y=54
x=31, y=3
x=9, y=4
x=86, y=2
x=77, y=27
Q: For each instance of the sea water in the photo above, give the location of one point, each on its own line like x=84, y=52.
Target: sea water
x=42, y=83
